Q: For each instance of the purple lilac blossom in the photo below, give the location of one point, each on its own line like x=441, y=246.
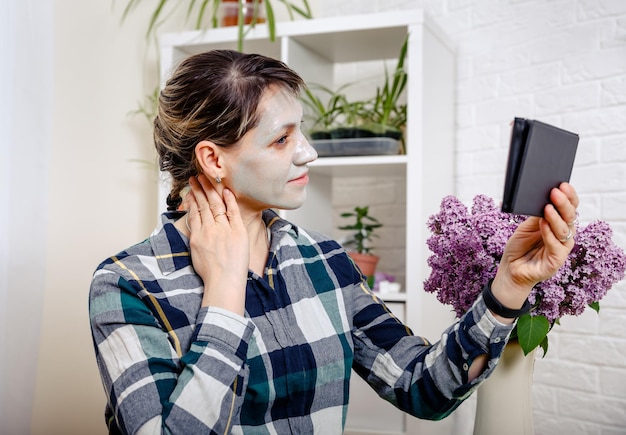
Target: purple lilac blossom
x=467, y=248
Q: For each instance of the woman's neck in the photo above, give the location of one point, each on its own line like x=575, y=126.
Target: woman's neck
x=258, y=238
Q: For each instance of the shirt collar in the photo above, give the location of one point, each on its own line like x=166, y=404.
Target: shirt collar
x=171, y=248
x=276, y=224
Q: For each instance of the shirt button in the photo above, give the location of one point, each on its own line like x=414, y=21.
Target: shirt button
x=465, y=367
x=497, y=340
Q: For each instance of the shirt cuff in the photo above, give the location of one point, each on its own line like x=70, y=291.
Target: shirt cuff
x=488, y=332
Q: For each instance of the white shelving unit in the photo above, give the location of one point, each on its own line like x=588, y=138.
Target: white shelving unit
x=314, y=48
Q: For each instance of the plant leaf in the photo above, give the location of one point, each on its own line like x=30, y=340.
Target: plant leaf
x=128, y=8
x=595, y=306
x=531, y=331
x=190, y=8
x=240, y=25
x=201, y=14
x=271, y=21
x=544, y=346
x=216, y=8
x=155, y=17
x=289, y=7
x=307, y=13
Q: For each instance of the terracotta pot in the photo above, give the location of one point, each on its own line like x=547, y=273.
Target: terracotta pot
x=230, y=12
x=504, y=403
x=366, y=262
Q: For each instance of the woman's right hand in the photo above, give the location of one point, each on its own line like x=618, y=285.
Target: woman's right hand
x=219, y=245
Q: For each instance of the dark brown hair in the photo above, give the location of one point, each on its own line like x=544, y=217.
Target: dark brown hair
x=212, y=96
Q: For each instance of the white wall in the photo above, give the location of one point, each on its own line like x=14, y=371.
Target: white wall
x=99, y=200
x=25, y=125
x=563, y=61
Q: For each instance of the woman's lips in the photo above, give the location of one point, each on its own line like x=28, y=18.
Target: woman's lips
x=302, y=179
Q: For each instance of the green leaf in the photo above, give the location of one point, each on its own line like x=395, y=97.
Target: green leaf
x=302, y=12
x=271, y=21
x=289, y=7
x=190, y=8
x=307, y=13
x=127, y=9
x=595, y=306
x=201, y=14
x=240, y=26
x=531, y=331
x=544, y=346
x=216, y=8
x=155, y=16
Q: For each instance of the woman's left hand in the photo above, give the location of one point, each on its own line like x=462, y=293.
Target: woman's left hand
x=537, y=249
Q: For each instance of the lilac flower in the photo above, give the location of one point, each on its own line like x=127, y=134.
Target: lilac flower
x=467, y=247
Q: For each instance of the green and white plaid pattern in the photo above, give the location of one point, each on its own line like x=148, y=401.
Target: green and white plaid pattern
x=170, y=366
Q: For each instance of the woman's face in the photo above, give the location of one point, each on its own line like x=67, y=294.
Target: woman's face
x=268, y=166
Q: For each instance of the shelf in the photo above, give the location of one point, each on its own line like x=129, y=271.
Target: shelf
x=335, y=50
x=348, y=46
x=359, y=165
x=337, y=39
x=197, y=41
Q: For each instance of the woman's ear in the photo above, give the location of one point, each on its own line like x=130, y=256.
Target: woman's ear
x=208, y=157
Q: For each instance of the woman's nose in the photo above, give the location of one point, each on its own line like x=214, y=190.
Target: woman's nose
x=305, y=153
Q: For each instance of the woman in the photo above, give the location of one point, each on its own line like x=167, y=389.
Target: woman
x=230, y=319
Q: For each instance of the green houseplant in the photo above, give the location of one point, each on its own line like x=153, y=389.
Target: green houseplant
x=335, y=116
x=206, y=11
x=387, y=116
x=324, y=105
x=362, y=235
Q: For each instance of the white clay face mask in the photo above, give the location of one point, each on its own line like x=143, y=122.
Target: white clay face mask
x=269, y=169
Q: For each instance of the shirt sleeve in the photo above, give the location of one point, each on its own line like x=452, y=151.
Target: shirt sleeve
x=426, y=380
x=152, y=387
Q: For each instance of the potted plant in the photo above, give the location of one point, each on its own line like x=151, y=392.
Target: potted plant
x=352, y=115
x=248, y=14
x=387, y=116
x=342, y=118
x=322, y=115
x=363, y=232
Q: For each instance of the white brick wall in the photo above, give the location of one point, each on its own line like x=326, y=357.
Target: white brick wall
x=564, y=62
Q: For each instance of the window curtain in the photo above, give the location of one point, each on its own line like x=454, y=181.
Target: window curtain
x=26, y=78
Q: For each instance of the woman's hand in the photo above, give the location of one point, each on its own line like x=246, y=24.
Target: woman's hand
x=537, y=249
x=219, y=244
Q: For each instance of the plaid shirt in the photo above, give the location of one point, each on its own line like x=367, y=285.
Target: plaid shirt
x=171, y=366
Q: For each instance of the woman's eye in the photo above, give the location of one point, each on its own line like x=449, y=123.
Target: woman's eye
x=282, y=140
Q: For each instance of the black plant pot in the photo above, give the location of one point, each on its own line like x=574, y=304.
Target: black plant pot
x=342, y=133
x=393, y=134
x=351, y=132
x=317, y=135
x=364, y=132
